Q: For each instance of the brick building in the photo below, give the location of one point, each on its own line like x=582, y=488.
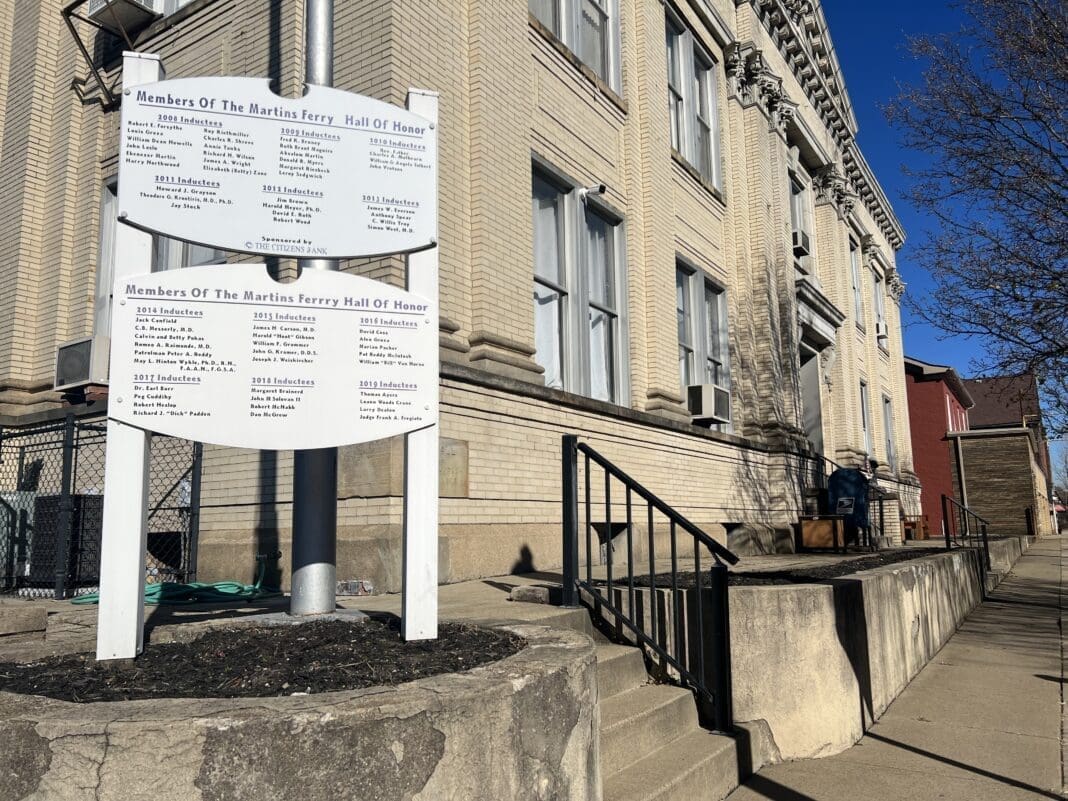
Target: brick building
x=938, y=405
x=742, y=244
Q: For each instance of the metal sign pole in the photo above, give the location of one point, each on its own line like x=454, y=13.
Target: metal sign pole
x=121, y=615
x=314, y=549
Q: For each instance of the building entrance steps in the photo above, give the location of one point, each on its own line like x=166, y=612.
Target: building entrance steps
x=983, y=721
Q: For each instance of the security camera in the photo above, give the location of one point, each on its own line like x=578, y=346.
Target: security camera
x=594, y=190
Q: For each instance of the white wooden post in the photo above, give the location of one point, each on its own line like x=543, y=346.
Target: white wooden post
x=121, y=615
x=419, y=599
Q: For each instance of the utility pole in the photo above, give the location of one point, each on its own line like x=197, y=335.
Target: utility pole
x=314, y=551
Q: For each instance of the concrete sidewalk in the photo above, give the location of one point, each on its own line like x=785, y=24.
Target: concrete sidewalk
x=983, y=720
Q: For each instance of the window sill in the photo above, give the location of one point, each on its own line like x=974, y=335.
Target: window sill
x=691, y=171
x=861, y=329
x=588, y=74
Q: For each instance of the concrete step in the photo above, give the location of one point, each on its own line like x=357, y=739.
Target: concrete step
x=619, y=668
x=699, y=766
x=639, y=721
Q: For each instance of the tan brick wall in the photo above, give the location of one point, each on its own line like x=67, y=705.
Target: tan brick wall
x=507, y=92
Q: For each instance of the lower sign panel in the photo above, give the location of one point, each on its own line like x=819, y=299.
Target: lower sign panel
x=226, y=355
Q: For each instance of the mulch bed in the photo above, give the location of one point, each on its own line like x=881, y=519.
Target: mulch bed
x=314, y=657
x=801, y=575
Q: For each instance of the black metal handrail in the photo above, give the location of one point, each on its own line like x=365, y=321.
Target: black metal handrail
x=966, y=528
x=709, y=679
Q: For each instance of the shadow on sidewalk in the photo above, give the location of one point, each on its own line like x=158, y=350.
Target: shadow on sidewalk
x=963, y=766
x=773, y=790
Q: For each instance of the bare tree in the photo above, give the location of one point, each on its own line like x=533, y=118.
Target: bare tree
x=992, y=116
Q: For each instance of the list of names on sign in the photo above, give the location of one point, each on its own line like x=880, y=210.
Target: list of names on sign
x=227, y=163
x=229, y=356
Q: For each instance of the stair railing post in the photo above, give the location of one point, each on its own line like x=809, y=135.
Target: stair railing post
x=720, y=639
x=986, y=545
x=569, y=476
x=945, y=522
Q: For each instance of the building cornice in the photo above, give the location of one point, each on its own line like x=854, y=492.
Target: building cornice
x=798, y=30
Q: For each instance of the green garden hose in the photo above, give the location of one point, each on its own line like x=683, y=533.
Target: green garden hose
x=174, y=594
x=171, y=593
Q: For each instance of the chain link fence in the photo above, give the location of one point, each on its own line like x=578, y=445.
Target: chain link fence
x=52, y=506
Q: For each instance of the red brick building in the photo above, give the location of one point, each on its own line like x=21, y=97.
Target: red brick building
x=938, y=404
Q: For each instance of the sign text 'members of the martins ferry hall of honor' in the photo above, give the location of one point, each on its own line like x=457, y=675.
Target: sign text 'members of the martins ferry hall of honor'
x=226, y=162
x=229, y=356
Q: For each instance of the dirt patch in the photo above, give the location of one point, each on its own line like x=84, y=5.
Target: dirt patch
x=315, y=657
x=797, y=575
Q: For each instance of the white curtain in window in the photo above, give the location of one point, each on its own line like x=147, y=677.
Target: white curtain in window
x=593, y=36
x=105, y=267
x=685, y=327
x=547, y=335
x=601, y=288
x=548, y=266
x=601, y=348
x=546, y=12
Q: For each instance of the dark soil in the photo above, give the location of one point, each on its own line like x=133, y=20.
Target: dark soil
x=801, y=575
x=314, y=657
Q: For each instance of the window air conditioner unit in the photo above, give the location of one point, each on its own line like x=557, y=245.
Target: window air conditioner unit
x=709, y=403
x=801, y=244
x=882, y=331
x=81, y=363
x=123, y=15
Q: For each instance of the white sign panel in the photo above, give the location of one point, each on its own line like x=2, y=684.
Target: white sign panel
x=226, y=162
x=229, y=356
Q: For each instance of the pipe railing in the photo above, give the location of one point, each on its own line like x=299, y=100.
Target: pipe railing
x=696, y=647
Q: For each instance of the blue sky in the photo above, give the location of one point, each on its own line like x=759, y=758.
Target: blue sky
x=870, y=40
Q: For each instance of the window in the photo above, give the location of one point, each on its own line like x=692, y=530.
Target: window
x=888, y=430
x=692, y=102
x=577, y=297
x=172, y=254
x=800, y=220
x=854, y=271
x=588, y=27
x=865, y=417
x=701, y=315
x=550, y=294
x=879, y=295
x=170, y=6
x=105, y=266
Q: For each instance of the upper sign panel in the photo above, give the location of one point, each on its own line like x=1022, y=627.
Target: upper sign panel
x=226, y=162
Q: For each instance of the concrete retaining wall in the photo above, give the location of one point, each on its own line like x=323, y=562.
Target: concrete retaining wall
x=818, y=663
x=522, y=728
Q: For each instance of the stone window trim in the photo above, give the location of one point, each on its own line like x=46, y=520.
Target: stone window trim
x=564, y=31
x=588, y=335
x=693, y=102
